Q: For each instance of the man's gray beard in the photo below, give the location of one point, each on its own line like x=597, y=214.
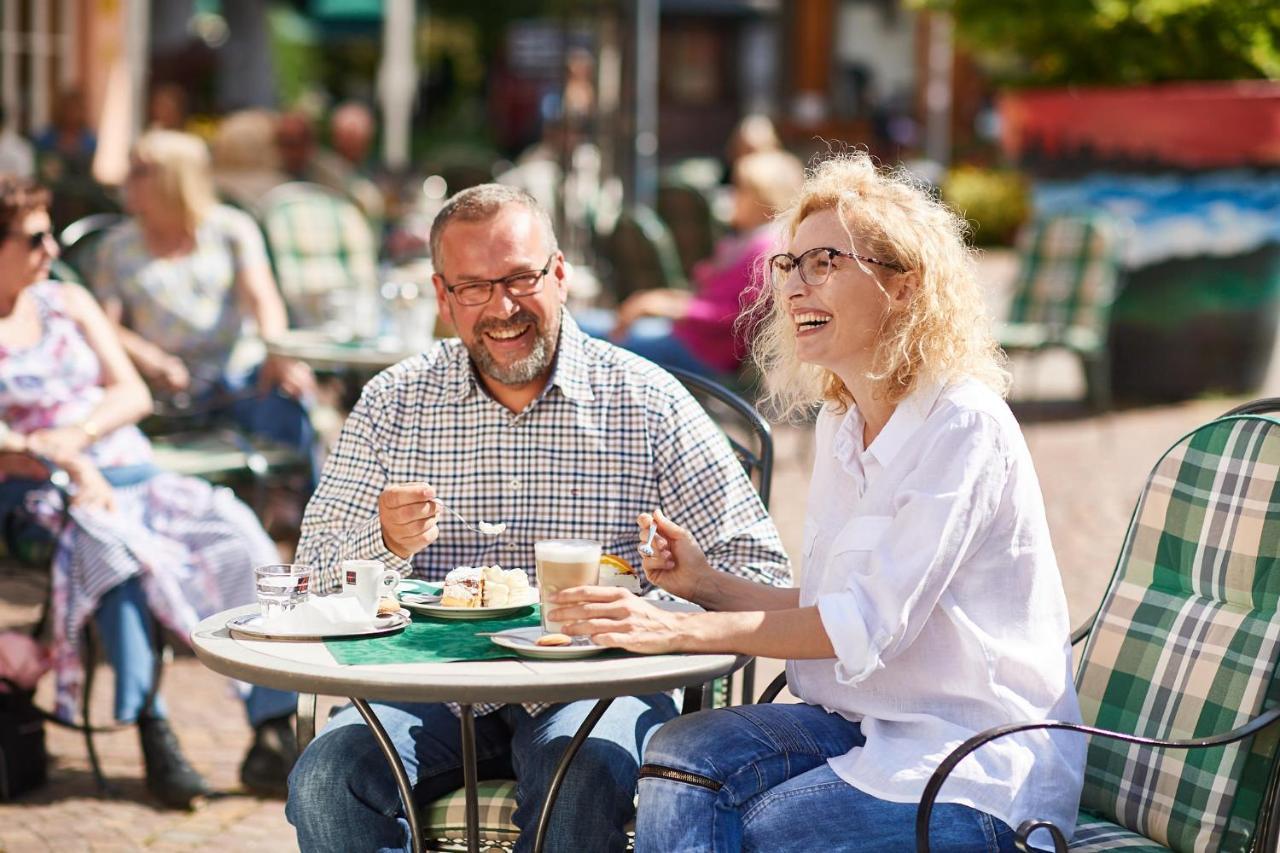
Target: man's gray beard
x=533, y=366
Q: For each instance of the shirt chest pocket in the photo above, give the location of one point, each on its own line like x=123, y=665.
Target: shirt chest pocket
x=852, y=548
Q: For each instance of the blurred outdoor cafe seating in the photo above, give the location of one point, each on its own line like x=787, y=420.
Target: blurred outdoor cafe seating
x=1068, y=276
x=322, y=249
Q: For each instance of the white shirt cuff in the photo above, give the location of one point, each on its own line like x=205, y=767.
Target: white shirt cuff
x=843, y=622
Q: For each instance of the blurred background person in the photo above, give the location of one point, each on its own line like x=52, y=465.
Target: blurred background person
x=348, y=166
x=753, y=133
x=167, y=108
x=245, y=164
x=181, y=277
x=296, y=146
x=64, y=161
x=697, y=330
x=17, y=156
x=69, y=138
x=141, y=543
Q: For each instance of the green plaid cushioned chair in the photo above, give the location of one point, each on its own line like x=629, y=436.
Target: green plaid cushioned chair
x=1069, y=268
x=1179, y=670
x=320, y=244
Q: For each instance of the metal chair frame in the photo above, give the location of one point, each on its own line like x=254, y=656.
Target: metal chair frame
x=1266, y=834
x=89, y=650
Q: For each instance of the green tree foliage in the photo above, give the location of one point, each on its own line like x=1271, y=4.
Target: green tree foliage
x=1054, y=42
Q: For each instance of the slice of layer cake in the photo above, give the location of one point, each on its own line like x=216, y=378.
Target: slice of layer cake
x=463, y=587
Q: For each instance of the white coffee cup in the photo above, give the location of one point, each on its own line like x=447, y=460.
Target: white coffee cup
x=368, y=581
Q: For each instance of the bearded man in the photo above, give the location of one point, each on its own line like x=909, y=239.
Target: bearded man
x=523, y=420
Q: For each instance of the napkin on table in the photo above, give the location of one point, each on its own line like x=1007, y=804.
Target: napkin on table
x=320, y=615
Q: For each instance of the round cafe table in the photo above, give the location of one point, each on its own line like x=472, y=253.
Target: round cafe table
x=309, y=668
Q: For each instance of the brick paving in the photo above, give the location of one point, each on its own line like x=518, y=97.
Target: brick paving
x=1091, y=470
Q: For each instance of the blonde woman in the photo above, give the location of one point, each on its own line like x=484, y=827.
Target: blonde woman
x=181, y=278
x=930, y=606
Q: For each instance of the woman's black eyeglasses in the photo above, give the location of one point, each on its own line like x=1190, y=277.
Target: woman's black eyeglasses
x=815, y=265
x=480, y=291
x=35, y=239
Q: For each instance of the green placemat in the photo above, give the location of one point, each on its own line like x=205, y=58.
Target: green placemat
x=430, y=640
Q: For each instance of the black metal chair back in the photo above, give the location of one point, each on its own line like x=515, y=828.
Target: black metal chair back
x=79, y=243
x=748, y=433
x=751, y=439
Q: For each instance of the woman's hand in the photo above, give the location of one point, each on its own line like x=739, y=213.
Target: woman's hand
x=167, y=373
x=92, y=489
x=613, y=617
x=293, y=377
x=678, y=564
x=61, y=444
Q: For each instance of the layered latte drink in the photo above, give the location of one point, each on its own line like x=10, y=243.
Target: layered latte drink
x=564, y=563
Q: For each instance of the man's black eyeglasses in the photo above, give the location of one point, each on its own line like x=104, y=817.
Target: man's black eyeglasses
x=815, y=265
x=35, y=239
x=480, y=291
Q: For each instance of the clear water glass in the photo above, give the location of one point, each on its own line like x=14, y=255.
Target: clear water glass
x=281, y=587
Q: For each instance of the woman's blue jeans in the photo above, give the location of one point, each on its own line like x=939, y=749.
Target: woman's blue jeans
x=126, y=628
x=756, y=777
x=274, y=416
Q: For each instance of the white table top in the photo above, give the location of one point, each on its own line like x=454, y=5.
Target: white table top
x=310, y=668
x=319, y=350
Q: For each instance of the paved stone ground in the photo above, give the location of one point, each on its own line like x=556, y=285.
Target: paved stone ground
x=1091, y=470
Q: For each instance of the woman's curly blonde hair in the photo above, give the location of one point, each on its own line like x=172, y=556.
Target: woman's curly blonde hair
x=945, y=331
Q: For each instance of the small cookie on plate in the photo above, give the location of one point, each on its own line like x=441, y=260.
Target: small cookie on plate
x=388, y=606
x=554, y=640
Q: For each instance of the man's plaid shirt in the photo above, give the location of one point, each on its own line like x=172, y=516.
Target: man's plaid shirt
x=611, y=436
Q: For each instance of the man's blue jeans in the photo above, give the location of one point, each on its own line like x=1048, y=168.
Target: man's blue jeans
x=343, y=797
x=756, y=777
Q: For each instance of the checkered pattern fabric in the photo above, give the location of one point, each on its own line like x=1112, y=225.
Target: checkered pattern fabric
x=1187, y=640
x=444, y=823
x=1094, y=835
x=1069, y=267
x=446, y=818
x=320, y=243
x=610, y=437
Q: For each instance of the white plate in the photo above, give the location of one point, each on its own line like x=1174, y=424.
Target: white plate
x=441, y=612
x=249, y=627
x=522, y=641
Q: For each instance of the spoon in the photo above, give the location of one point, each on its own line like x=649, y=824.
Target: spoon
x=646, y=548
x=484, y=528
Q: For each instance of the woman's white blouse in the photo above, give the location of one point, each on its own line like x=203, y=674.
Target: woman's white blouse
x=928, y=557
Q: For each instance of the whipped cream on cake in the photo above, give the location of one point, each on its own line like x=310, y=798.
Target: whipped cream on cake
x=463, y=587
x=486, y=586
x=503, y=587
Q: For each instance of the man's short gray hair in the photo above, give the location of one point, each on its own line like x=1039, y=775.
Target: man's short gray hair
x=478, y=203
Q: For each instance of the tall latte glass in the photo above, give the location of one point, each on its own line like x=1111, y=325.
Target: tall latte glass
x=564, y=563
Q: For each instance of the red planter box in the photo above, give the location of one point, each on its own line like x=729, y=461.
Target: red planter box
x=1186, y=125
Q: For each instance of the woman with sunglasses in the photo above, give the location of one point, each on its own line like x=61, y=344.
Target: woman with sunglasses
x=930, y=606
x=136, y=543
